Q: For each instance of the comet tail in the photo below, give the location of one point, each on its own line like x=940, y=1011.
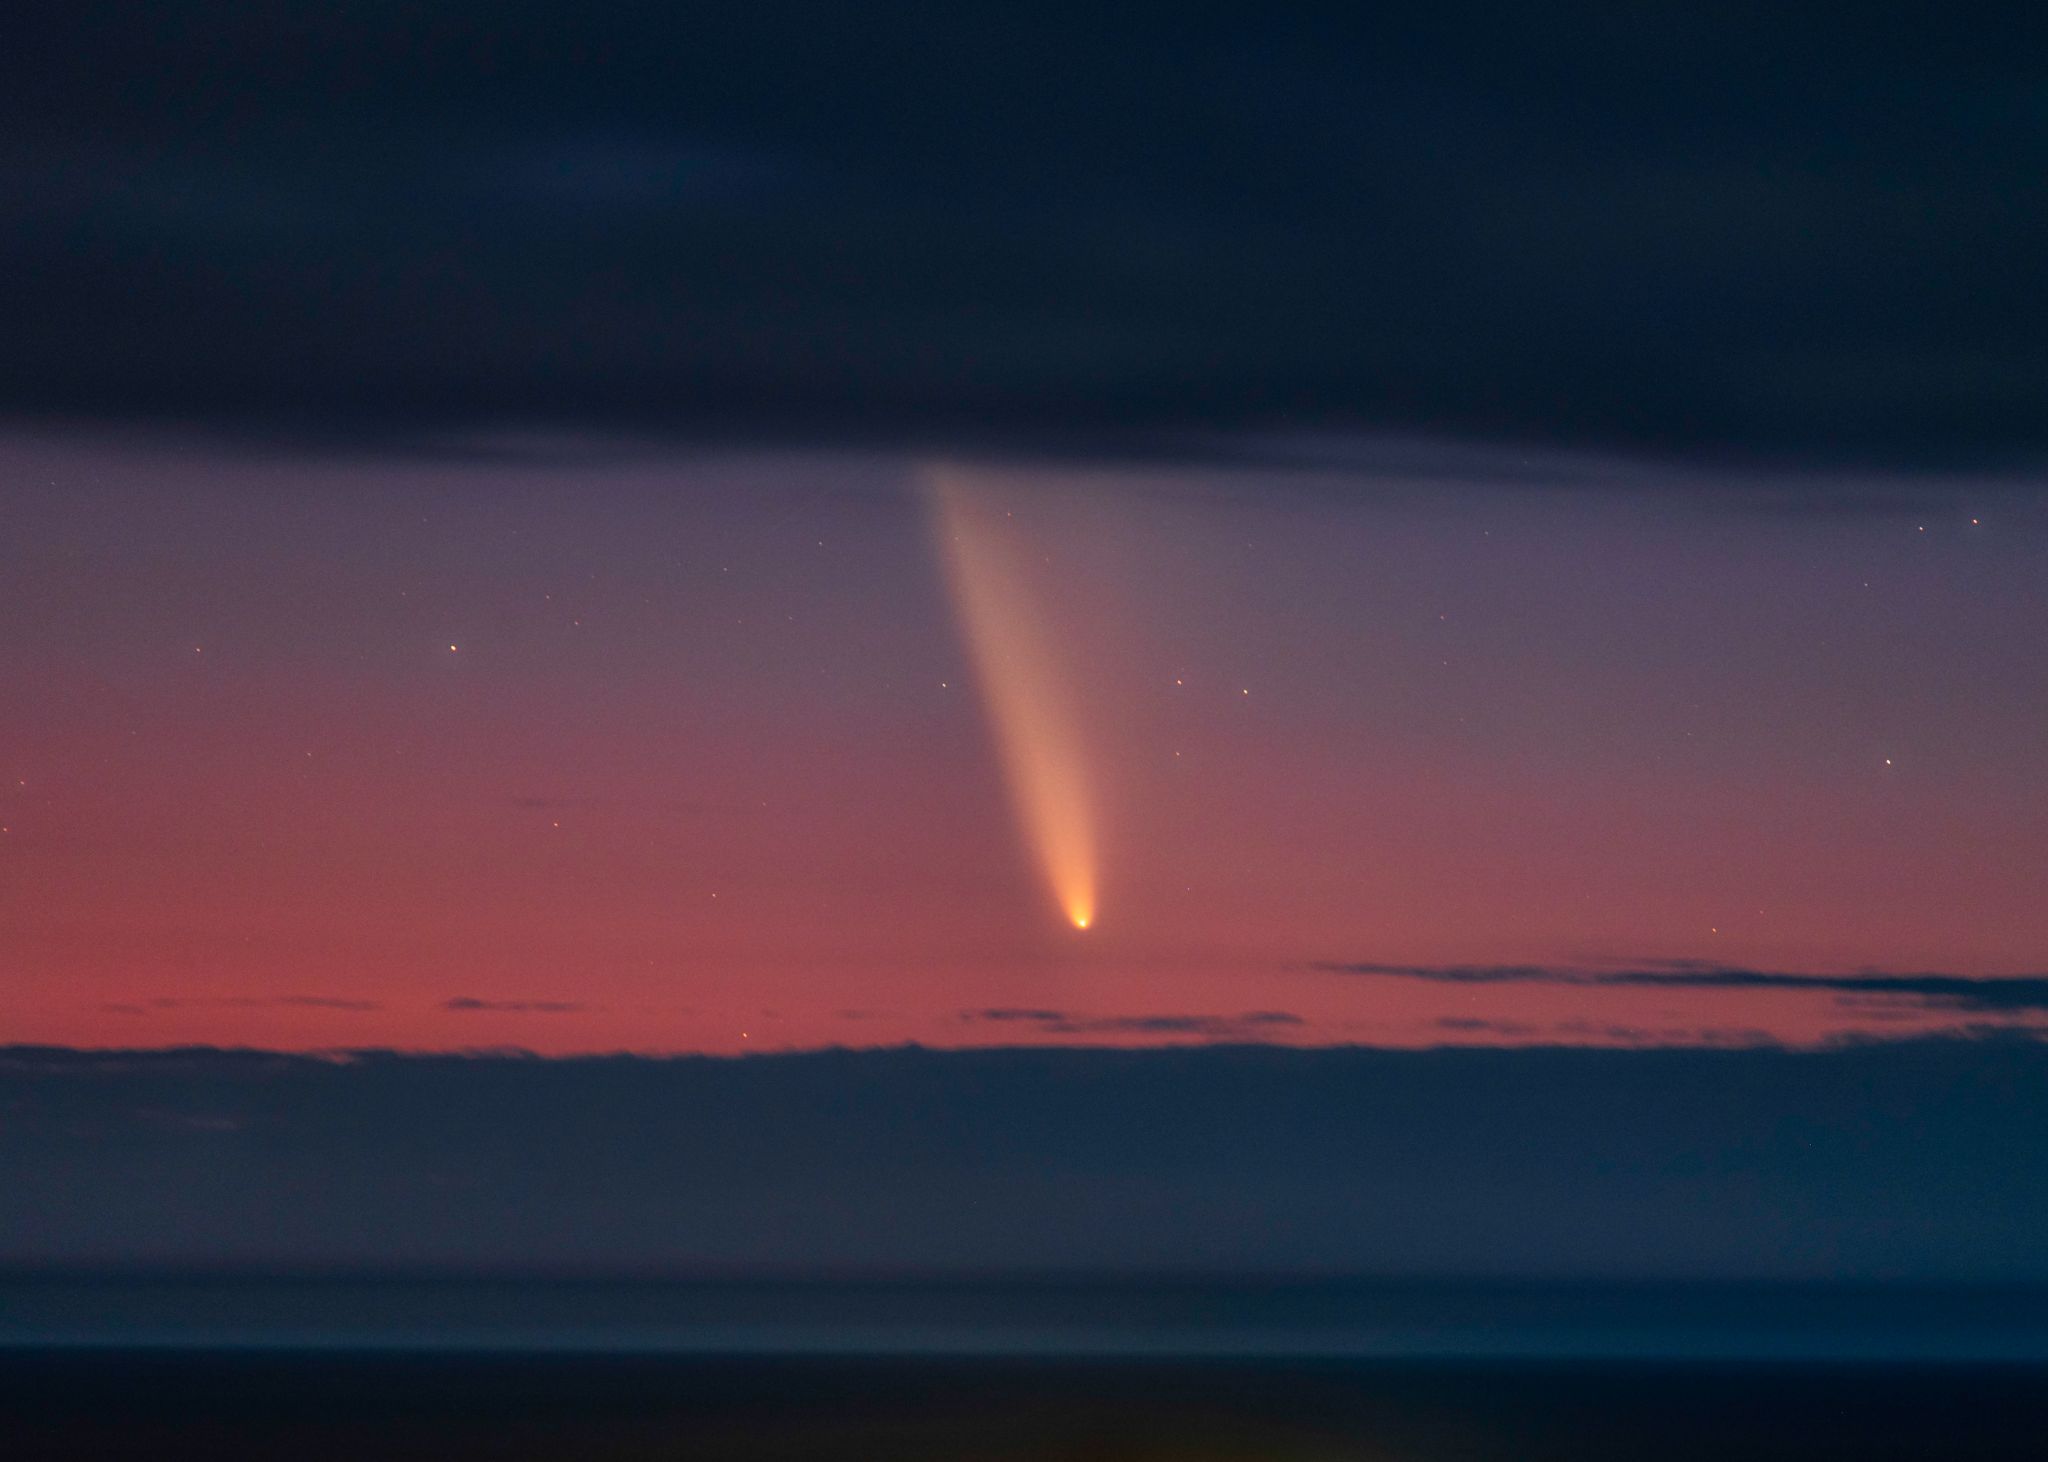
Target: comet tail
x=1024, y=690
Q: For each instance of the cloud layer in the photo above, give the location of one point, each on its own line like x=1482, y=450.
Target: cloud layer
x=1252, y=1025
x=1743, y=233
x=1991, y=994
x=1247, y=1159
x=512, y=1007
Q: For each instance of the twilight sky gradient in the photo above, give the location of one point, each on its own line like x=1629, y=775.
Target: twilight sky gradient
x=581, y=749
x=1484, y=524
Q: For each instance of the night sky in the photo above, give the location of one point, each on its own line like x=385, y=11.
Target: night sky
x=1503, y=527
x=695, y=531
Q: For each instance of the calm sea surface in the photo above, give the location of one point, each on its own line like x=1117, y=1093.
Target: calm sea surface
x=314, y=1369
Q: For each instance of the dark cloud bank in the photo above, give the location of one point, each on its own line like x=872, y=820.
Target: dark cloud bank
x=1983, y=994
x=1917, y=1159
x=1750, y=232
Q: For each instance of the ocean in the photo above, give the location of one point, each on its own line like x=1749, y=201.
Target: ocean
x=315, y=1368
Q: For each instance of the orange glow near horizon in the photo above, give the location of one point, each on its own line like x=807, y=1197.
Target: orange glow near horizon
x=1024, y=689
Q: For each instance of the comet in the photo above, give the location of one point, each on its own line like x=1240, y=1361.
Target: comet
x=1025, y=690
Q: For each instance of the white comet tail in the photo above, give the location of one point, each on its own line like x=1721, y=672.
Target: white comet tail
x=1027, y=695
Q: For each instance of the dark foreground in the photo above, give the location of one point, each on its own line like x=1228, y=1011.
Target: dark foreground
x=306, y=1406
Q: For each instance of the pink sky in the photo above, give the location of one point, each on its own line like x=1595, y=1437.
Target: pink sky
x=708, y=763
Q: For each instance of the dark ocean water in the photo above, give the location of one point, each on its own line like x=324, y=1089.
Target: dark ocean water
x=315, y=1369
x=295, y=1405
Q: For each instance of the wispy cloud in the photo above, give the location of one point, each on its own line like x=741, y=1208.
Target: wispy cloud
x=1251, y=1025
x=245, y=1002
x=1580, y=1032
x=1472, y=1025
x=2008, y=994
x=514, y=1007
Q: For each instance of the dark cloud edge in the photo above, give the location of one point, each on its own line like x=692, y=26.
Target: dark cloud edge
x=1621, y=1044
x=1310, y=455
x=2001, y=994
